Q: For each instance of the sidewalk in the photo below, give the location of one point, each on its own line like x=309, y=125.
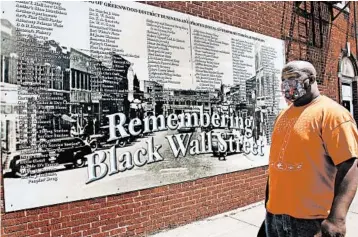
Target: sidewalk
x=244, y=221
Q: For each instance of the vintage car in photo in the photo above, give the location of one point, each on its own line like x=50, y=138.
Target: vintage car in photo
x=100, y=139
x=69, y=152
x=186, y=129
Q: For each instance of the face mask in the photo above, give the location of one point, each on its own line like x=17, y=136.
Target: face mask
x=293, y=89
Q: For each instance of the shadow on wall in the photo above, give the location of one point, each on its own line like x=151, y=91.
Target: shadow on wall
x=306, y=29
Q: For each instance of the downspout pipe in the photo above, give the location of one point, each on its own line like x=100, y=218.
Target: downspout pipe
x=355, y=27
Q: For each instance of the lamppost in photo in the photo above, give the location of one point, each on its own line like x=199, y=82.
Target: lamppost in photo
x=254, y=125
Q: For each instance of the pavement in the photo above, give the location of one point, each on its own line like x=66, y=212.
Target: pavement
x=242, y=222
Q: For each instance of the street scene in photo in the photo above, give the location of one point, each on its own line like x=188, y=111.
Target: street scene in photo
x=105, y=98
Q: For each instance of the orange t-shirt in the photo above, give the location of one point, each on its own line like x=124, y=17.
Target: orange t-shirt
x=307, y=143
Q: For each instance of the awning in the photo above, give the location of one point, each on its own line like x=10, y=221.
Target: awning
x=68, y=118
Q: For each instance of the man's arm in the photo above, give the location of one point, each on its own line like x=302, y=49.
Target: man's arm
x=346, y=184
x=267, y=191
x=344, y=191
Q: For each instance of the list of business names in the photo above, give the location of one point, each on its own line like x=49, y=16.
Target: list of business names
x=208, y=47
x=165, y=41
x=41, y=63
x=178, y=51
x=242, y=55
x=105, y=32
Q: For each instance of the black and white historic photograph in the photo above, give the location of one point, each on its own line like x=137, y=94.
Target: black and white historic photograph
x=128, y=97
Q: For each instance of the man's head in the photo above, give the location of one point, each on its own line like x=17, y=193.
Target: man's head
x=299, y=82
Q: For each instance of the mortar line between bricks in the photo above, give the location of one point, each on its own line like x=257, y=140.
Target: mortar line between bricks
x=243, y=221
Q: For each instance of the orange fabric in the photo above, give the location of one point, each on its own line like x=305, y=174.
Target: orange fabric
x=307, y=143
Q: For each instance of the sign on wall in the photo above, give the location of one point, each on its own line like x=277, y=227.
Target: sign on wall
x=101, y=98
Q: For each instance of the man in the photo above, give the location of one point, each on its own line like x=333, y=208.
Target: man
x=313, y=173
x=74, y=131
x=95, y=125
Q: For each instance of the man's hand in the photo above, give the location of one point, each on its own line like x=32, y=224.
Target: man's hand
x=345, y=189
x=331, y=228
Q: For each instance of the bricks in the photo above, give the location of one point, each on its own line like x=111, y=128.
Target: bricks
x=41, y=235
x=81, y=228
x=14, y=228
x=92, y=231
x=79, y=234
x=38, y=224
x=49, y=228
x=61, y=232
x=104, y=234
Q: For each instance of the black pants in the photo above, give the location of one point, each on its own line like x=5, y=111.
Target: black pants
x=288, y=226
x=262, y=230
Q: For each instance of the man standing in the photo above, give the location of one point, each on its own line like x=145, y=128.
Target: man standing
x=313, y=173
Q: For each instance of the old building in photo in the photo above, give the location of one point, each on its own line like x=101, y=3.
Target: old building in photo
x=83, y=70
x=98, y=89
x=34, y=90
x=153, y=94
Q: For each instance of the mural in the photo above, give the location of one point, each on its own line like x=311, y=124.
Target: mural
x=101, y=98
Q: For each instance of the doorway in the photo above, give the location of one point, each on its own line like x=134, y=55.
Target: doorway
x=347, y=95
x=347, y=78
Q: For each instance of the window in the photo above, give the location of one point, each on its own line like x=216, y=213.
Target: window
x=347, y=76
x=342, y=4
x=82, y=80
x=314, y=23
x=77, y=79
x=347, y=68
x=60, y=79
x=90, y=78
x=51, y=78
x=66, y=81
x=5, y=69
x=85, y=79
x=73, y=78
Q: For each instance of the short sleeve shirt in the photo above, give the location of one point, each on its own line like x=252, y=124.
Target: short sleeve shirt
x=307, y=144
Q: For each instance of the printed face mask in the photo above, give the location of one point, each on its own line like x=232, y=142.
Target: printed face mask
x=293, y=89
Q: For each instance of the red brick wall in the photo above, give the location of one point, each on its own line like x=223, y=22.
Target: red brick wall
x=140, y=212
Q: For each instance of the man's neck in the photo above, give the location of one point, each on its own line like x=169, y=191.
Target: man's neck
x=307, y=100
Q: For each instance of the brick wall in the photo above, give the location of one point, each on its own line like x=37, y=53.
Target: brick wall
x=140, y=212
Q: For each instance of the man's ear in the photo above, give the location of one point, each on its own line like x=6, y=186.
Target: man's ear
x=312, y=79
